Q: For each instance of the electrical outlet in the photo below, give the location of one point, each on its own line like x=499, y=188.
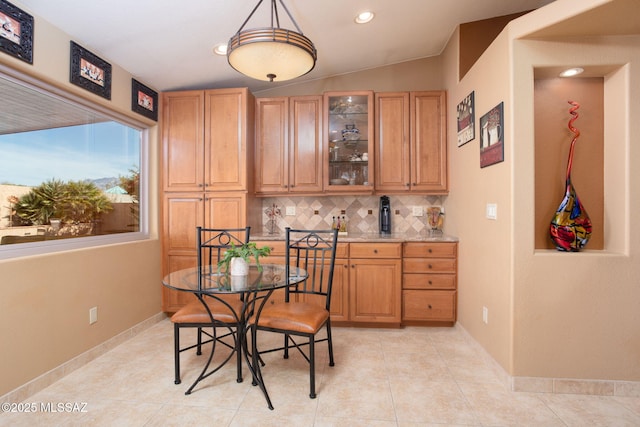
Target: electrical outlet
x=492, y=211
x=485, y=315
x=93, y=315
x=418, y=211
x=290, y=211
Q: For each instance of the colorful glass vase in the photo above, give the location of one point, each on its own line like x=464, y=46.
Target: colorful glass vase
x=570, y=228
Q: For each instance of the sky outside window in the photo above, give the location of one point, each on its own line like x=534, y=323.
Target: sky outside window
x=85, y=152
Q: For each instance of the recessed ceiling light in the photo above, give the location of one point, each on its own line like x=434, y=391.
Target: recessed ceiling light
x=571, y=72
x=364, y=17
x=220, y=49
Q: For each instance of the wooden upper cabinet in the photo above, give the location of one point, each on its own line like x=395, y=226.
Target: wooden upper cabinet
x=348, y=142
x=288, y=145
x=411, y=142
x=182, y=141
x=305, y=144
x=204, y=139
x=392, y=141
x=225, y=134
x=272, y=141
x=429, y=142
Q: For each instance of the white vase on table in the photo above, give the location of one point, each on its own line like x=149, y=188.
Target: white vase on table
x=238, y=267
x=239, y=283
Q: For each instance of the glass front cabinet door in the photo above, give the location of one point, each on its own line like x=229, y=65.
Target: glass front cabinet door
x=349, y=141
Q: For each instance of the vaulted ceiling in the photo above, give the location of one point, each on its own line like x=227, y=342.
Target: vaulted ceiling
x=168, y=45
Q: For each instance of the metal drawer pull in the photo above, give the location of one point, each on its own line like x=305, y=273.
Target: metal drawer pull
x=429, y=306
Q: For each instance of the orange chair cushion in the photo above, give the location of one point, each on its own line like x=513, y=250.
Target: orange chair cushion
x=194, y=312
x=294, y=316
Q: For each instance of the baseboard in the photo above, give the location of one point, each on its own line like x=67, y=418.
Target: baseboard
x=45, y=380
x=556, y=385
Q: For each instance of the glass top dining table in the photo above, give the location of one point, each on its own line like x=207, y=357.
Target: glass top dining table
x=254, y=289
x=208, y=280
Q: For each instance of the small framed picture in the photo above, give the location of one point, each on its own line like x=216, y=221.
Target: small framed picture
x=144, y=100
x=466, y=120
x=16, y=32
x=492, y=136
x=90, y=72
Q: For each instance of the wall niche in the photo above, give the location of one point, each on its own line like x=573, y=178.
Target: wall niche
x=599, y=160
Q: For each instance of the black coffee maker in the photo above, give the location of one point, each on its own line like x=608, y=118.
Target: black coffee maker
x=385, y=215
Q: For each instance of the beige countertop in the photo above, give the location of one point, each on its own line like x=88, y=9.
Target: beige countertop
x=374, y=237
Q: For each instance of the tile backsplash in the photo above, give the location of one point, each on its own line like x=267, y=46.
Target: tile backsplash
x=361, y=212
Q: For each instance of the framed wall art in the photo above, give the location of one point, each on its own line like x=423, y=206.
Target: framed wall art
x=466, y=120
x=16, y=32
x=492, y=136
x=90, y=72
x=144, y=100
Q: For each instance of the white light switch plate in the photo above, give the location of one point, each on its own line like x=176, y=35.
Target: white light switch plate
x=418, y=211
x=290, y=211
x=492, y=211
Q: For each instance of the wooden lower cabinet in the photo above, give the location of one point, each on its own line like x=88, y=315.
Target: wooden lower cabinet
x=173, y=300
x=375, y=280
x=429, y=282
x=386, y=284
x=340, y=291
x=366, y=289
x=437, y=306
x=275, y=257
x=182, y=213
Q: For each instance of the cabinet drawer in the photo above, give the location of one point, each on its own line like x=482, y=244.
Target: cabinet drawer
x=278, y=248
x=342, y=251
x=429, y=281
x=435, y=250
x=429, y=265
x=429, y=305
x=375, y=250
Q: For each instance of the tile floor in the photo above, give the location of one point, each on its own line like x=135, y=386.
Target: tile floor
x=382, y=377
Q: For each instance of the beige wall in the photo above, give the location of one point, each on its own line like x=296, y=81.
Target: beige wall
x=45, y=300
x=577, y=315
x=551, y=314
x=485, y=273
x=421, y=74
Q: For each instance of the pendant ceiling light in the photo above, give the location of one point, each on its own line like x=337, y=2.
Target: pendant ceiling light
x=272, y=53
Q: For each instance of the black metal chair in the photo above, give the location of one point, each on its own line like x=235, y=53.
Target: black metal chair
x=211, y=243
x=306, y=308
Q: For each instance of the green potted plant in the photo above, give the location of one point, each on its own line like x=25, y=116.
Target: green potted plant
x=235, y=260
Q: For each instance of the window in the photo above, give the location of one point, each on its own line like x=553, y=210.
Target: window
x=71, y=174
